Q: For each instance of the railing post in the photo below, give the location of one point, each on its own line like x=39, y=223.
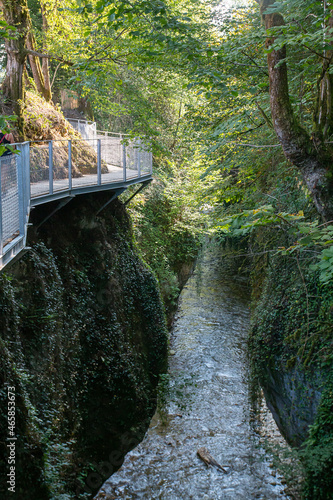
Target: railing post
x=19, y=160
x=94, y=133
x=151, y=163
x=23, y=176
x=51, y=167
x=124, y=161
x=99, y=163
x=1, y=243
x=120, y=150
x=26, y=177
x=139, y=158
x=69, y=164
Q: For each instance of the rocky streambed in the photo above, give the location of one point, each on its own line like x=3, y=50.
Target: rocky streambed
x=207, y=403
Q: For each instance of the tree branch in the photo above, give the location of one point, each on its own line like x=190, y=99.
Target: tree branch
x=48, y=56
x=254, y=62
x=251, y=129
x=265, y=117
x=55, y=73
x=259, y=146
x=315, y=52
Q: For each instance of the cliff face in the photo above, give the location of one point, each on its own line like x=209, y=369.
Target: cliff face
x=291, y=346
x=293, y=396
x=83, y=340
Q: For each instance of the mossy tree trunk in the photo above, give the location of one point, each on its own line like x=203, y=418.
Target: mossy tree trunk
x=45, y=61
x=323, y=115
x=16, y=13
x=40, y=71
x=307, y=151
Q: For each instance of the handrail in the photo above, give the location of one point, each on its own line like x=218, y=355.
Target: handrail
x=81, y=121
x=107, y=134
x=57, y=169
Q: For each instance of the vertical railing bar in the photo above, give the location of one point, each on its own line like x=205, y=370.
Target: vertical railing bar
x=69, y=164
x=1, y=232
x=99, y=163
x=51, y=167
x=124, y=162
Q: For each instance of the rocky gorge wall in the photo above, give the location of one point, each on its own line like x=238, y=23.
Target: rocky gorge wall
x=291, y=349
x=293, y=396
x=83, y=340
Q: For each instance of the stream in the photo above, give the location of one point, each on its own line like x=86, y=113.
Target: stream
x=208, y=404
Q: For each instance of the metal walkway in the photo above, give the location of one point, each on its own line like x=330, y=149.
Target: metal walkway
x=59, y=170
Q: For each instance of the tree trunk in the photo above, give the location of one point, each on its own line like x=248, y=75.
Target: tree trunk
x=323, y=115
x=16, y=13
x=38, y=71
x=45, y=61
x=308, y=153
x=35, y=65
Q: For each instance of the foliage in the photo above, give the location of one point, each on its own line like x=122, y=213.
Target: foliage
x=306, y=236
x=6, y=30
x=194, y=80
x=317, y=451
x=167, y=226
x=292, y=318
x=108, y=54
x=5, y=129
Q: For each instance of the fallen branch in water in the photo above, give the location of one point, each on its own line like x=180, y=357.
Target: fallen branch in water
x=206, y=457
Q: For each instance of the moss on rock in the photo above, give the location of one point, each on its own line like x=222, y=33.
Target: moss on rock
x=84, y=340
x=291, y=347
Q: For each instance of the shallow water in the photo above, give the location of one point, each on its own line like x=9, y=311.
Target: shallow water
x=209, y=405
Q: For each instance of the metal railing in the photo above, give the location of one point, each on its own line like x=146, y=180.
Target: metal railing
x=41, y=172
x=14, y=202
x=86, y=128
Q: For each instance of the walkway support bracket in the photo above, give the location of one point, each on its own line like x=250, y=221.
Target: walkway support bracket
x=144, y=184
x=113, y=197
x=61, y=204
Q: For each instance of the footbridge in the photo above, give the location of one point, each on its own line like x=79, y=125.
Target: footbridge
x=42, y=172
